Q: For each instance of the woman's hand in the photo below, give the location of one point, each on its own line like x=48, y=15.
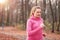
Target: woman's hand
x=44, y=34
x=42, y=25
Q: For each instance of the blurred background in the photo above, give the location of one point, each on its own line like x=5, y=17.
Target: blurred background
x=16, y=12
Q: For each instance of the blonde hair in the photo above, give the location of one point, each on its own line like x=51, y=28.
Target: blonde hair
x=33, y=10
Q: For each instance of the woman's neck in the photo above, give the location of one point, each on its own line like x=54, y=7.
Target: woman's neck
x=36, y=18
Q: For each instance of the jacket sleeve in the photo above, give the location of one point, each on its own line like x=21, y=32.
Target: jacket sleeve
x=29, y=28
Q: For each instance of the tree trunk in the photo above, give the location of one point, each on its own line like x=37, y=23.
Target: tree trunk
x=52, y=16
x=44, y=8
x=59, y=16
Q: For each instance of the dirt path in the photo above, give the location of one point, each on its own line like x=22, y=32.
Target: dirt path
x=10, y=33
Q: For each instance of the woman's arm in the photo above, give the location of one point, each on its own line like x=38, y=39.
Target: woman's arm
x=29, y=28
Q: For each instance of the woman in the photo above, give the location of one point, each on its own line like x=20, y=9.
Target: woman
x=35, y=24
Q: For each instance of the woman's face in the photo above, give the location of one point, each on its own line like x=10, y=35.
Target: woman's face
x=37, y=13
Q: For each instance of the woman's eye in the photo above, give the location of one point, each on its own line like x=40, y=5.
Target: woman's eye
x=38, y=12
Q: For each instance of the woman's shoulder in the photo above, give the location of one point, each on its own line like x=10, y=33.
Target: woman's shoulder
x=29, y=20
x=42, y=20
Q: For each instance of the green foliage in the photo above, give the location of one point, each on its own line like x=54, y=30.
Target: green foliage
x=48, y=25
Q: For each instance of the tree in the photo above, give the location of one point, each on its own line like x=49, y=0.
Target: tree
x=52, y=16
x=44, y=8
x=59, y=16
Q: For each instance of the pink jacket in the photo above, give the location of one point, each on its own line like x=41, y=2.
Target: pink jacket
x=34, y=28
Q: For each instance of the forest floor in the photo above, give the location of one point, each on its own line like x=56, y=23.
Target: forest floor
x=11, y=33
